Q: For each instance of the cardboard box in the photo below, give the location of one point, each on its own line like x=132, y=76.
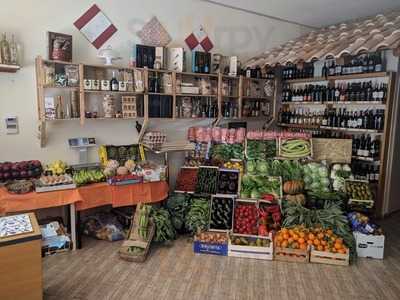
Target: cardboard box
x=371, y=246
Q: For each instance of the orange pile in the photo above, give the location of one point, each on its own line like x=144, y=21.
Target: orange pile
x=299, y=238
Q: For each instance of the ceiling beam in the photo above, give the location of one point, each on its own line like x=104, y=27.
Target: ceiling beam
x=259, y=14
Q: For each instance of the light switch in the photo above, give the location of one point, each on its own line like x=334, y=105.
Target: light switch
x=12, y=125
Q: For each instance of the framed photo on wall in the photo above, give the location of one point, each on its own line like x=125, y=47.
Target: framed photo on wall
x=59, y=46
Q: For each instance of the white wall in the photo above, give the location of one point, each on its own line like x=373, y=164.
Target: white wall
x=233, y=33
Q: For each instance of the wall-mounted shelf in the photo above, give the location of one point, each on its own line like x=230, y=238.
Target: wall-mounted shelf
x=339, y=77
x=9, y=68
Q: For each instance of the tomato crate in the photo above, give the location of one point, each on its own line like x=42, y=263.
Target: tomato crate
x=221, y=212
x=211, y=243
x=329, y=258
x=240, y=218
x=243, y=246
x=292, y=255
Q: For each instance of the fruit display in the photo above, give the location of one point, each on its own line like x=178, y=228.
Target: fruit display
x=295, y=148
x=198, y=216
x=257, y=186
x=260, y=149
x=20, y=170
x=221, y=213
x=250, y=241
x=234, y=165
x=165, y=230
x=187, y=179
x=287, y=169
x=83, y=177
x=51, y=180
x=362, y=223
x=207, y=180
x=245, y=218
x=228, y=182
x=299, y=237
x=339, y=174
x=57, y=167
x=226, y=152
x=210, y=237
x=119, y=153
x=316, y=177
x=269, y=217
x=358, y=190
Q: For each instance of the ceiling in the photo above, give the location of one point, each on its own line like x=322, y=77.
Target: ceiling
x=312, y=12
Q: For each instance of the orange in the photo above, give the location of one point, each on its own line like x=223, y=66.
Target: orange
x=320, y=235
x=285, y=236
x=311, y=236
x=295, y=237
x=301, y=241
x=279, y=238
x=302, y=234
x=320, y=248
x=310, y=242
x=324, y=243
x=317, y=242
x=303, y=246
x=290, y=240
x=284, y=230
x=338, y=246
x=329, y=232
x=339, y=241
x=278, y=243
x=284, y=244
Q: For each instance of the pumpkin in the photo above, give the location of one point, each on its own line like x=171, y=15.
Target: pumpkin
x=298, y=199
x=122, y=171
x=293, y=187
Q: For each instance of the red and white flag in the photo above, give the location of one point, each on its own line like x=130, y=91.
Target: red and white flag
x=95, y=26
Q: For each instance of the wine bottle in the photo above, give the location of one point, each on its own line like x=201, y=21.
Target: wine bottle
x=114, y=83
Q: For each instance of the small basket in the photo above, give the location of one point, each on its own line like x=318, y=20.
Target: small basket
x=20, y=186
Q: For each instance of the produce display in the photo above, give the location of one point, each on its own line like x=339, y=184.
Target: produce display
x=83, y=177
x=249, y=241
x=316, y=177
x=57, y=167
x=234, y=165
x=119, y=153
x=228, y=182
x=221, y=213
x=187, y=180
x=178, y=206
x=20, y=170
x=294, y=148
x=198, y=216
x=246, y=218
x=258, y=186
x=339, y=174
x=51, y=180
x=362, y=223
x=210, y=237
x=287, y=169
x=269, y=217
x=318, y=199
x=299, y=237
x=143, y=222
x=165, y=230
x=260, y=149
x=207, y=180
x=226, y=152
x=358, y=190
x=19, y=186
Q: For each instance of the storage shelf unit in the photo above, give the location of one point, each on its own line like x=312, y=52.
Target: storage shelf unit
x=86, y=95
x=389, y=77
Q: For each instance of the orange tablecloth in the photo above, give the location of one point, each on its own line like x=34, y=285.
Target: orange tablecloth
x=85, y=197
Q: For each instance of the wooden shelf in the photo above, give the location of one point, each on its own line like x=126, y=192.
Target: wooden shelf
x=370, y=159
x=339, y=77
x=9, y=68
x=351, y=129
x=197, y=74
x=257, y=97
x=256, y=79
x=60, y=62
x=70, y=88
x=104, y=118
x=336, y=103
x=112, y=92
x=232, y=97
x=62, y=120
x=159, y=94
x=299, y=126
x=196, y=95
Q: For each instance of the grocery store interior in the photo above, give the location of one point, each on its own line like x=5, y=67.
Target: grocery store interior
x=198, y=149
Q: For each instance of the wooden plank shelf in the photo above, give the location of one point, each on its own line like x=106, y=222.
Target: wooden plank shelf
x=299, y=126
x=9, y=68
x=363, y=158
x=335, y=103
x=339, y=77
x=112, y=92
x=195, y=95
x=351, y=129
x=68, y=88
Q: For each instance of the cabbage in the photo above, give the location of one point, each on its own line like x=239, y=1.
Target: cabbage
x=315, y=185
x=323, y=172
x=251, y=166
x=337, y=167
x=262, y=166
x=324, y=181
x=307, y=179
x=255, y=194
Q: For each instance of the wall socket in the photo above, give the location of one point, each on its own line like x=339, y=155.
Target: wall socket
x=12, y=125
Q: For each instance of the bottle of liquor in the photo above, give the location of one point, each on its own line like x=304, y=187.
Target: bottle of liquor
x=371, y=64
x=325, y=71
x=13, y=51
x=5, y=50
x=332, y=69
x=114, y=83
x=378, y=62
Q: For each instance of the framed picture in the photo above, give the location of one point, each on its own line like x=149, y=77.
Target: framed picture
x=59, y=46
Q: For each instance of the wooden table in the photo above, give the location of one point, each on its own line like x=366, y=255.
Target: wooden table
x=83, y=198
x=21, y=265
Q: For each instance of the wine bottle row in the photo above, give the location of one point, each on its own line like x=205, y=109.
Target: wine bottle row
x=293, y=72
x=340, y=118
x=365, y=171
x=366, y=146
x=353, y=92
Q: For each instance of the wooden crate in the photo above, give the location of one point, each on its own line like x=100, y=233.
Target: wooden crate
x=329, y=258
x=292, y=255
x=256, y=252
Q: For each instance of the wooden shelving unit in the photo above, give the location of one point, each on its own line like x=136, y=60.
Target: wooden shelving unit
x=389, y=78
x=86, y=71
